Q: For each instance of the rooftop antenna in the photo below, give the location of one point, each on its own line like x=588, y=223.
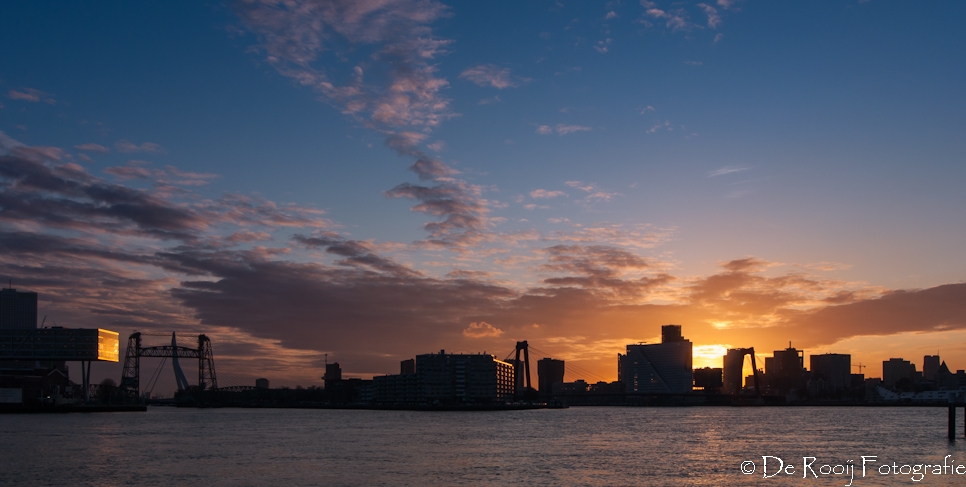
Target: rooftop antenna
x=43, y=321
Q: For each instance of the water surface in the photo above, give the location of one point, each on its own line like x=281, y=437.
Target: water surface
x=590, y=446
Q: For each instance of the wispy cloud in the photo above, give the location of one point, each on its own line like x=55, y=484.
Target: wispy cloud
x=676, y=19
x=490, y=74
x=296, y=34
x=561, y=129
x=666, y=125
x=727, y=170
x=603, y=46
x=594, y=192
x=32, y=95
x=713, y=18
x=126, y=146
x=92, y=148
x=543, y=193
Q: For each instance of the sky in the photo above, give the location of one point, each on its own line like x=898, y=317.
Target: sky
x=363, y=181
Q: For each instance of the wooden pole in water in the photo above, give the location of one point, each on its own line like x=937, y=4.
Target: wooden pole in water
x=952, y=419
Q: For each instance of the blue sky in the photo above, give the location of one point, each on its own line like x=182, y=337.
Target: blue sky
x=821, y=140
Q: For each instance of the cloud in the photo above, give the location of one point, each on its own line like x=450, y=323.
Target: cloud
x=561, y=129
x=108, y=255
x=542, y=193
x=168, y=175
x=354, y=253
x=593, y=189
x=482, y=330
x=581, y=185
x=714, y=20
x=32, y=95
x=676, y=19
x=610, y=15
x=666, y=125
x=126, y=146
x=93, y=148
x=489, y=74
x=310, y=41
x=464, y=213
x=603, y=46
x=297, y=35
x=726, y=170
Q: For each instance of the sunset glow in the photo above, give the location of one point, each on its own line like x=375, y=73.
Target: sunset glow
x=364, y=181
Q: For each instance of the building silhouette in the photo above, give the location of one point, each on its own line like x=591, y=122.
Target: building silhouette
x=896, y=369
x=785, y=370
x=407, y=366
x=18, y=310
x=660, y=368
x=458, y=378
x=734, y=362
x=708, y=379
x=549, y=372
x=930, y=365
x=831, y=372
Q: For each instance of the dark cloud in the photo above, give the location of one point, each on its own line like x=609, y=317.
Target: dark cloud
x=66, y=196
x=355, y=254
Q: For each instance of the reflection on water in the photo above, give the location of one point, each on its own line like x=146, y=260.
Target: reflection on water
x=577, y=446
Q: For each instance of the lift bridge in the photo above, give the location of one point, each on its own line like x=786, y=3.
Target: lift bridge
x=131, y=376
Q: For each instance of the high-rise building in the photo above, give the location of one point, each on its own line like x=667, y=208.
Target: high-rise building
x=18, y=310
x=833, y=370
x=660, y=368
x=896, y=369
x=458, y=378
x=671, y=333
x=930, y=365
x=333, y=375
x=734, y=362
x=549, y=372
x=786, y=370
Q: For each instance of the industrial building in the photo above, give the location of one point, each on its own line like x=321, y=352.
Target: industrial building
x=659, y=368
x=33, y=370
